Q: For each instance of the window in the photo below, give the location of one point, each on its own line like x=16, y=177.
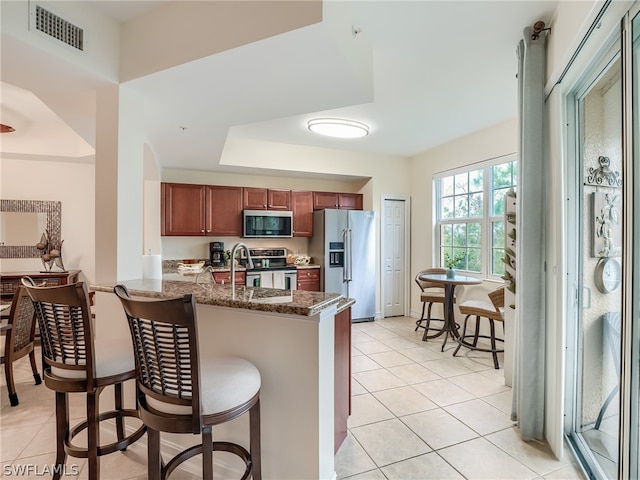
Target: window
x=470, y=218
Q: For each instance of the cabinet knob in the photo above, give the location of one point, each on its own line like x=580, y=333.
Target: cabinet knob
x=202, y=231
x=264, y=206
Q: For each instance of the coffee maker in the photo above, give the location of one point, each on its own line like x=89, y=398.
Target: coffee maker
x=216, y=254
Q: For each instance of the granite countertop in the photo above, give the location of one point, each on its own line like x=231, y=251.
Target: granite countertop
x=345, y=303
x=296, y=302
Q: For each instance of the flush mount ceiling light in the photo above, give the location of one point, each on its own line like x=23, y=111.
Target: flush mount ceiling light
x=336, y=127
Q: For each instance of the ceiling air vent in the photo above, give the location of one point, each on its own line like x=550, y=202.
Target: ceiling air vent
x=53, y=25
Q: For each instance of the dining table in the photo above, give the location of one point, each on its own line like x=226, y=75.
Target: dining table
x=449, y=283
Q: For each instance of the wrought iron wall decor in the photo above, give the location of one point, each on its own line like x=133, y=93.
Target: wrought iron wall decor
x=603, y=175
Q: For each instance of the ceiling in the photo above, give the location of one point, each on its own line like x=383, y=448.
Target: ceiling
x=439, y=70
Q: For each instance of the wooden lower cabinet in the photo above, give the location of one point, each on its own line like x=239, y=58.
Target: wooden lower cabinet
x=309, y=279
x=225, y=277
x=342, y=376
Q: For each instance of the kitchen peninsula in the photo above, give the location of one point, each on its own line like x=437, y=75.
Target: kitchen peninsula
x=289, y=336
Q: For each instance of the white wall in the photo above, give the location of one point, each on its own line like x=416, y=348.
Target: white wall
x=71, y=183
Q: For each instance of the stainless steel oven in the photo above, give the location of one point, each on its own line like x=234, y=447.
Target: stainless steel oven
x=271, y=269
x=272, y=278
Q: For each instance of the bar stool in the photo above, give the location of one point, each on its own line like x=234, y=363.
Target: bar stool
x=19, y=340
x=431, y=293
x=493, y=313
x=180, y=392
x=75, y=361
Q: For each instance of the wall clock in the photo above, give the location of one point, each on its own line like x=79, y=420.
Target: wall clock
x=608, y=275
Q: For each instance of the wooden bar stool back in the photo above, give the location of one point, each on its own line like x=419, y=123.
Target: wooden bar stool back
x=493, y=312
x=75, y=361
x=180, y=392
x=19, y=340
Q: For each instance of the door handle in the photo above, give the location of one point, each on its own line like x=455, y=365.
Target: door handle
x=345, y=263
x=350, y=258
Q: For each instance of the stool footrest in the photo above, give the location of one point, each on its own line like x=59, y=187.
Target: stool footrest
x=471, y=346
x=80, y=452
x=217, y=447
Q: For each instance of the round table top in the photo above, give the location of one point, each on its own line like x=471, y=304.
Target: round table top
x=457, y=280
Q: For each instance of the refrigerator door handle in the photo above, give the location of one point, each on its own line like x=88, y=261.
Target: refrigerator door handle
x=348, y=260
x=345, y=262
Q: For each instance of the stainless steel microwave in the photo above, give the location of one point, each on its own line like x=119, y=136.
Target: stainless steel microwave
x=267, y=223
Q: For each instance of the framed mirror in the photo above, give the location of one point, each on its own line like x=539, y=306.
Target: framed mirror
x=22, y=222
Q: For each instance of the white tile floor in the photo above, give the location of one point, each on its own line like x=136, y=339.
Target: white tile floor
x=417, y=413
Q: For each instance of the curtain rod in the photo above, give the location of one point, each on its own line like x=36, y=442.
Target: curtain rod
x=538, y=28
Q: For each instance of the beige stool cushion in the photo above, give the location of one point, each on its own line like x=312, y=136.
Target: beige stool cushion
x=226, y=382
x=112, y=357
x=483, y=309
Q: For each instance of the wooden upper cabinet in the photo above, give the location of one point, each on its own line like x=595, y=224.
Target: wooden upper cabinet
x=200, y=210
x=302, y=206
x=266, y=199
x=224, y=211
x=279, y=199
x=350, y=201
x=322, y=200
x=182, y=209
x=343, y=201
x=255, y=198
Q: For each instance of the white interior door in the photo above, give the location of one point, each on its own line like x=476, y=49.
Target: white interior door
x=394, y=257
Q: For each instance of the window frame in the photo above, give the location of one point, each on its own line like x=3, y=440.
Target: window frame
x=486, y=221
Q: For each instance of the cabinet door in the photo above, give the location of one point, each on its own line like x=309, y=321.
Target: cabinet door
x=342, y=375
x=279, y=199
x=224, y=211
x=322, y=200
x=350, y=201
x=309, y=280
x=224, y=278
x=183, y=209
x=302, y=206
x=255, y=198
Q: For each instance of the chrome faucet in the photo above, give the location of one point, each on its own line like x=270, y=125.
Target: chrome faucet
x=235, y=248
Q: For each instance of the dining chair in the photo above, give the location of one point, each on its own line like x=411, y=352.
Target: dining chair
x=76, y=360
x=180, y=391
x=19, y=340
x=492, y=312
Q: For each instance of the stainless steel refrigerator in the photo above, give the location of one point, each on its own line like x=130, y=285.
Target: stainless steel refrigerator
x=343, y=243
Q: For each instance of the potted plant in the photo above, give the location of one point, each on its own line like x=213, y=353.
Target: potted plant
x=451, y=263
